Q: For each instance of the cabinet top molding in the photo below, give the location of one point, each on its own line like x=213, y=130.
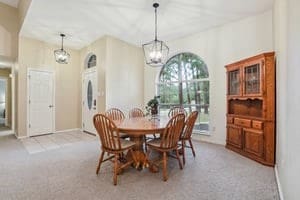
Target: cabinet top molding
x=262, y=55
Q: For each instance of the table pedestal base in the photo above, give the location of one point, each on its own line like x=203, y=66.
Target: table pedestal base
x=140, y=156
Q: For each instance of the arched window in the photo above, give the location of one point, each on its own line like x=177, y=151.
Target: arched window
x=91, y=61
x=184, y=81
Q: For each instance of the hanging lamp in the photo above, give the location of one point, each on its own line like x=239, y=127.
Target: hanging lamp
x=155, y=51
x=61, y=56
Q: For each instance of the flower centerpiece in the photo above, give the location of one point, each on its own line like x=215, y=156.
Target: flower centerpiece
x=152, y=106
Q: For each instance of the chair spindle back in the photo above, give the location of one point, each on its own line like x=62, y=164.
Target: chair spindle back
x=108, y=132
x=171, y=134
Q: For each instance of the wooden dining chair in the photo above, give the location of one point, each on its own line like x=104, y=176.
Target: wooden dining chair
x=168, y=142
x=187, y=134
x=176, y=110
x=116, y=114
x=136, y=112
x=112, y=144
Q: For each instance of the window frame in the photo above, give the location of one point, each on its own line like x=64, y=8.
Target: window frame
x=159, y=83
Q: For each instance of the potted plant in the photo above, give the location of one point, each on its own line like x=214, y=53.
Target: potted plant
x=152, y=106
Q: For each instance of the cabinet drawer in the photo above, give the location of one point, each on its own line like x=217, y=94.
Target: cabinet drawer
x=242, y=122
x=257, y=124
x=230, y=120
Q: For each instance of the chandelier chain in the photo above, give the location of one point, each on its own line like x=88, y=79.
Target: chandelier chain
x=155, y=23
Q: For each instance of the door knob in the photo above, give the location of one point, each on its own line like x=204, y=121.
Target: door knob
x=50, y=106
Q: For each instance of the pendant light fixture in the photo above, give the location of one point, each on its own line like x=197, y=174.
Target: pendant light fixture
x=61, y=56
x=155, y=51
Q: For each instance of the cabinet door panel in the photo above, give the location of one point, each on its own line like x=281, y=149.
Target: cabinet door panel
x=234, y=136
x=234, y=88
x=254, y=142
x=252, y=78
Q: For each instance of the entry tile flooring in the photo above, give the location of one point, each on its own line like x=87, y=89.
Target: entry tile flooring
x=48, y=142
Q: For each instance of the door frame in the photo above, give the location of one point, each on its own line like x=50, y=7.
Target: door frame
x=86, y=71
x=5, y=79
x=12, y=65
x=27, y=98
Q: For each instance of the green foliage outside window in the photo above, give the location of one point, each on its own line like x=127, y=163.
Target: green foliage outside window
x=184, y=81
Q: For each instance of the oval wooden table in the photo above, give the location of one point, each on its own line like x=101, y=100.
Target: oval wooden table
x=137, y=128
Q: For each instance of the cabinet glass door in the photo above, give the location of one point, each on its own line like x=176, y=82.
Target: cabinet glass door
x=234, y=82
x=252, y=79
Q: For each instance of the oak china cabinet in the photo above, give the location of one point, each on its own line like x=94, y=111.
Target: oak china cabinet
x=251, y=108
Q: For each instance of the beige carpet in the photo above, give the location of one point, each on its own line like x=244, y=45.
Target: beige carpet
x=69, y=173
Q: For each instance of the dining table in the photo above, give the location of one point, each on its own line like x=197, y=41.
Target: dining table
x=137, y=129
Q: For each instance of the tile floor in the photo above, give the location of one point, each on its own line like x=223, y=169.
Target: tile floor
x=43, y=143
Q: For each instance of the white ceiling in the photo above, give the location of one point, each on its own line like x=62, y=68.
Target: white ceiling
x=84, y=21
x=13, y=3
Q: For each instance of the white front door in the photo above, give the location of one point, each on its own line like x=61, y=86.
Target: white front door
x=41, y=115
x=89, y=100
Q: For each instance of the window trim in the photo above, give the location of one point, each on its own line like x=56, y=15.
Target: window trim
x=159, y=83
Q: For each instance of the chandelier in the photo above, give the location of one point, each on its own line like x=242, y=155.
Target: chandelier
x=155, y=51
x=61, y=56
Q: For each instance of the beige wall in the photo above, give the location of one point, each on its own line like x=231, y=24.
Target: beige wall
x=218, y=47
x=99, y=49
x=120, y=73
x=4, y=73
x=37, y=54
x=124, y=75
x=280, y=44
x=9, y=29
x=23, y=7
x=287, y=40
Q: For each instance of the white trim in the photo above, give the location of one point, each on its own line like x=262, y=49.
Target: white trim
x=21, y=137
x=53, y=98
x=68, y=130
x=5, y=79
x=278, y=183
x=199, y=132
x=86, y=60
x=13, y=85
x=12, y=65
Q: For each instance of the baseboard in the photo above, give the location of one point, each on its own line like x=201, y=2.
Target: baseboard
x=203, y=138
x=20, y=137
x=8, y=132
x=278, y=183
x=68, y=130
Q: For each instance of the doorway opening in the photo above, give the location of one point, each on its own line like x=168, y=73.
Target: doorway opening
x=5, y=100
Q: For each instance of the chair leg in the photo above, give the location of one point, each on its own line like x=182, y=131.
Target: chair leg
x=165, y=176
x=178, y=158
x=183, y=151
x=191, y=144
x=100, y=161
x=116, y=168
x=145, y=141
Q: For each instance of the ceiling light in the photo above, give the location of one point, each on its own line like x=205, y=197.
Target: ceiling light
x=61, y=56
x=155, y=51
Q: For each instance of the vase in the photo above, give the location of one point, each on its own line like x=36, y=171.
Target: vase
x=154, y=110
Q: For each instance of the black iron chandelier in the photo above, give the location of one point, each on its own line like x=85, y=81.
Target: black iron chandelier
x=155, y=51
x=61, y=56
